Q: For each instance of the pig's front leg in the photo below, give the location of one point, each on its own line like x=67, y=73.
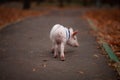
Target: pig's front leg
x=55, y=50
x=62, y=56
x=52, y=49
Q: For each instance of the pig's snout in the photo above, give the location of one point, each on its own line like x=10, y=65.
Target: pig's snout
x=77, y=45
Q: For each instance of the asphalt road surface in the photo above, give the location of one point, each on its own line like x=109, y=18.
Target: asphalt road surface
x=25, y=51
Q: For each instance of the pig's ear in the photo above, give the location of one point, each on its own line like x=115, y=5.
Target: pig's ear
x=75, y=32
x=71, y=30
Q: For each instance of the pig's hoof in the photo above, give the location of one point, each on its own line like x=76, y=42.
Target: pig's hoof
x=62, y=58
x=55, y=56
x=52, y=50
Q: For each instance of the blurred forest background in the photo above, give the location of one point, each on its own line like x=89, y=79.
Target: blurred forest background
x=61, y=3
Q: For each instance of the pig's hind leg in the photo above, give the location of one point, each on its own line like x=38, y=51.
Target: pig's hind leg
x=55, y=50
x=62, y=56
x=52, y=49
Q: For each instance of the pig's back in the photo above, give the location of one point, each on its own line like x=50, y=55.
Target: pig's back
x=57, y=32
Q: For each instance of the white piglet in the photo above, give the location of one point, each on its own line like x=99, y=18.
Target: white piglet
x=61, y=36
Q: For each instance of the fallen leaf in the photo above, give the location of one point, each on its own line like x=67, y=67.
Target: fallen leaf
x=33, y=69
x=95, y=55
x=118, y=54
x=44, y=65
x=45, y=60
x=81, y=72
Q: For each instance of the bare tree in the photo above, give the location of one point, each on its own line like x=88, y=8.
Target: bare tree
x=98, y=3
x=39, y=1
x=61, y=3
x=68, y=1
x=3, y=1
x=51, y=1
x=84, y=2
x=26, y=4
x=119, y=3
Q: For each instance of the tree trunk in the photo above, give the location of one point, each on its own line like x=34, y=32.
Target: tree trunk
x=119, y=3
x=98, y=3
x=68, y=1
x=84, y=2
x=3, y=1
x=51, y=1
x=39, y=1
x=26, y=4
x=61, y=3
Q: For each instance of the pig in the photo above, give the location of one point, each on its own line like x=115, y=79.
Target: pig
x=60, y=36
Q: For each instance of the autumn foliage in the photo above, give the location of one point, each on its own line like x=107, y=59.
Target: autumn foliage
x=108, y=24
x=8, y=15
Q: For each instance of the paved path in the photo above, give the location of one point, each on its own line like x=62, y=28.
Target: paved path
x=25, y=51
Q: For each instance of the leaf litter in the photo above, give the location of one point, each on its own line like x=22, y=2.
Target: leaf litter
x=9, y=15
x=108, y=23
